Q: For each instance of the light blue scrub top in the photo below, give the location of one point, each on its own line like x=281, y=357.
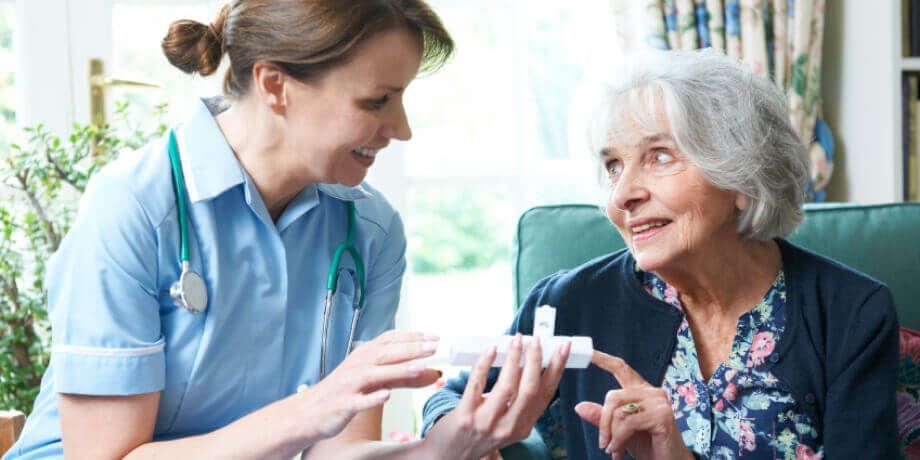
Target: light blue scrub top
x=116, y=331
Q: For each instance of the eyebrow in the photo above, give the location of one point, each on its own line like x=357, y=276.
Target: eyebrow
x=650, y=139
x=392, y=89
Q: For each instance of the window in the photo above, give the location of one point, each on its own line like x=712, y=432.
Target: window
x=8, y=131
x=137, y=29
x=503, y=127
x=500, y=129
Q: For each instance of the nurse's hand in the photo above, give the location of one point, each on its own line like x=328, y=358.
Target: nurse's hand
x=636, y=418
x=482, y=424
x=364, y=380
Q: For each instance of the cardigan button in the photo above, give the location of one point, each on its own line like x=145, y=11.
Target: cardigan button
x=774, y=358
x=810, y=398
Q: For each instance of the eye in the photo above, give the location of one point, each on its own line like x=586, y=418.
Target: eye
x=614, y=168
x=379, y=103
x=662, y=157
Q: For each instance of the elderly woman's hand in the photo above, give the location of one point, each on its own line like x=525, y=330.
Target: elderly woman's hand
x=635, y=419
x=482, y=424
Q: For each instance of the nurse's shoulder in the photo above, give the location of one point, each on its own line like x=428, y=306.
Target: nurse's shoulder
x=139, y=178
x=376, y=208
x=375, y=216
x=118, y=215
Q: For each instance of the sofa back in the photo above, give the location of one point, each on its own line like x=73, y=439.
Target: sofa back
x=882, y=241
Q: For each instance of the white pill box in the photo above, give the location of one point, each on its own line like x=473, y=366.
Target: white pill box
x=465, y=351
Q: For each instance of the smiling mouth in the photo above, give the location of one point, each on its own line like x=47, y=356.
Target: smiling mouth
x=365, y=152
x=647, y=227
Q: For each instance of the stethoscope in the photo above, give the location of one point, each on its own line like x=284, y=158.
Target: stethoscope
x=189, y=291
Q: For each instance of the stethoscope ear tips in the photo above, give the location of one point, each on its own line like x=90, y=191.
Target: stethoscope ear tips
x=189, y=292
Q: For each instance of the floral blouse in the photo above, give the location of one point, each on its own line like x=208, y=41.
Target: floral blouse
x=743, y=410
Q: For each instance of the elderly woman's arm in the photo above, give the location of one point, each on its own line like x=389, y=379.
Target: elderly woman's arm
x=860, y=416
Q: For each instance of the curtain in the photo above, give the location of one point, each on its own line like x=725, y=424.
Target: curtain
x=779, y=39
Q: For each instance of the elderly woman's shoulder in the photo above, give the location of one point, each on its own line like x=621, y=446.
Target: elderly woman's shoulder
x=823, y=281
x=585, y=279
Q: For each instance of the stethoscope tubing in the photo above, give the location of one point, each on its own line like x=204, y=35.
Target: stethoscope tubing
x=332, y=282
x=179, y=180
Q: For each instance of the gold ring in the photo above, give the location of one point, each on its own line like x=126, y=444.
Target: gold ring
x=631, y=408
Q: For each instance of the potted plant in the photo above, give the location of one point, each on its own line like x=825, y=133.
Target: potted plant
x=43, y=179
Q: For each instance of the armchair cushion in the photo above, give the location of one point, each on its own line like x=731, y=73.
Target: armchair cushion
x=883, y=241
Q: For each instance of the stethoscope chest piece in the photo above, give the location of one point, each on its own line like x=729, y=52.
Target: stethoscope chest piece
x=189, y=292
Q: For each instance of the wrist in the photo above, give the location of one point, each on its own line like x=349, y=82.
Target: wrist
x=306, y=431
x=421, y=450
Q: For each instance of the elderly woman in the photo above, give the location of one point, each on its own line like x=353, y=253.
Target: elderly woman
x=715, y=337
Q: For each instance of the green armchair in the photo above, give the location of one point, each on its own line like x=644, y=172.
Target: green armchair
x=880, y=240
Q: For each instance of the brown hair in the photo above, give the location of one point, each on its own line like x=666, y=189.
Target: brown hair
x=305, y=38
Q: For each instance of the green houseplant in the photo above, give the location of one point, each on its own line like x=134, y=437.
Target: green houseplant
x=42, y=180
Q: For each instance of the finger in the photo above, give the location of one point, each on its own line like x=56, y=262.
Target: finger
x=387, y=376
x=363, y=402
x=623, y=427
x=395, y=336
x=398, y=352
x=476, y=381
x=556, y=368
x=611, y=401
x=589, y=411
x=529, y=384
x=533, y=362
x=505, y=388
x=655, y=412
x=512, y=367
x=427, y=377
x=621, y=371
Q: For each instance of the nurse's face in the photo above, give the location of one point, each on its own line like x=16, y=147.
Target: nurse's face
x=335, y=127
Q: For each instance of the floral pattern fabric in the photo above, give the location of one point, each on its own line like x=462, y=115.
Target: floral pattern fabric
x=743, y=410
x=908, y=394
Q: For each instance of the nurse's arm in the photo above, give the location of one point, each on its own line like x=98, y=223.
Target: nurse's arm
x=102, y=427
x=361, y=440
x=106, y=426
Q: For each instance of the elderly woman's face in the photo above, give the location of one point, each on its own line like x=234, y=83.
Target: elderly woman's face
x=661, y=204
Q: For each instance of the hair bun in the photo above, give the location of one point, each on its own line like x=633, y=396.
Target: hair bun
x=193, y=47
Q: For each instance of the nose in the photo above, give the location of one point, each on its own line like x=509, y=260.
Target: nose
x=629, y=191
x=397, y=126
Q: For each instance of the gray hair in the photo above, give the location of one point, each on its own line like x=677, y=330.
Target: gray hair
x=729, y=123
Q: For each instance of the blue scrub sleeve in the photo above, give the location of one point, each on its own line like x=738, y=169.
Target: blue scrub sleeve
x=102, y=297
x=384, y=280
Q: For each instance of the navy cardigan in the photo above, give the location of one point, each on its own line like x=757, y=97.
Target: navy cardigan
x=838, y=354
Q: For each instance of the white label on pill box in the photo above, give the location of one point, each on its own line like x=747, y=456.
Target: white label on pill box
x=544, y=322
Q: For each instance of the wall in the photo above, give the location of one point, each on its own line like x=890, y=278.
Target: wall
x=861, y=92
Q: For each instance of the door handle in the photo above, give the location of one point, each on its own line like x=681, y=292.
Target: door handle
x=98, y=82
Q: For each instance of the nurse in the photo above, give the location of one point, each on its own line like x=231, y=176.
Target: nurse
x=313, y=91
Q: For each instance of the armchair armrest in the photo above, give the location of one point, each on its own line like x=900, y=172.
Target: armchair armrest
x=11, y=423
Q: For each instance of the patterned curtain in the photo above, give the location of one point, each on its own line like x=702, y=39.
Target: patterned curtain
x=780, y=39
